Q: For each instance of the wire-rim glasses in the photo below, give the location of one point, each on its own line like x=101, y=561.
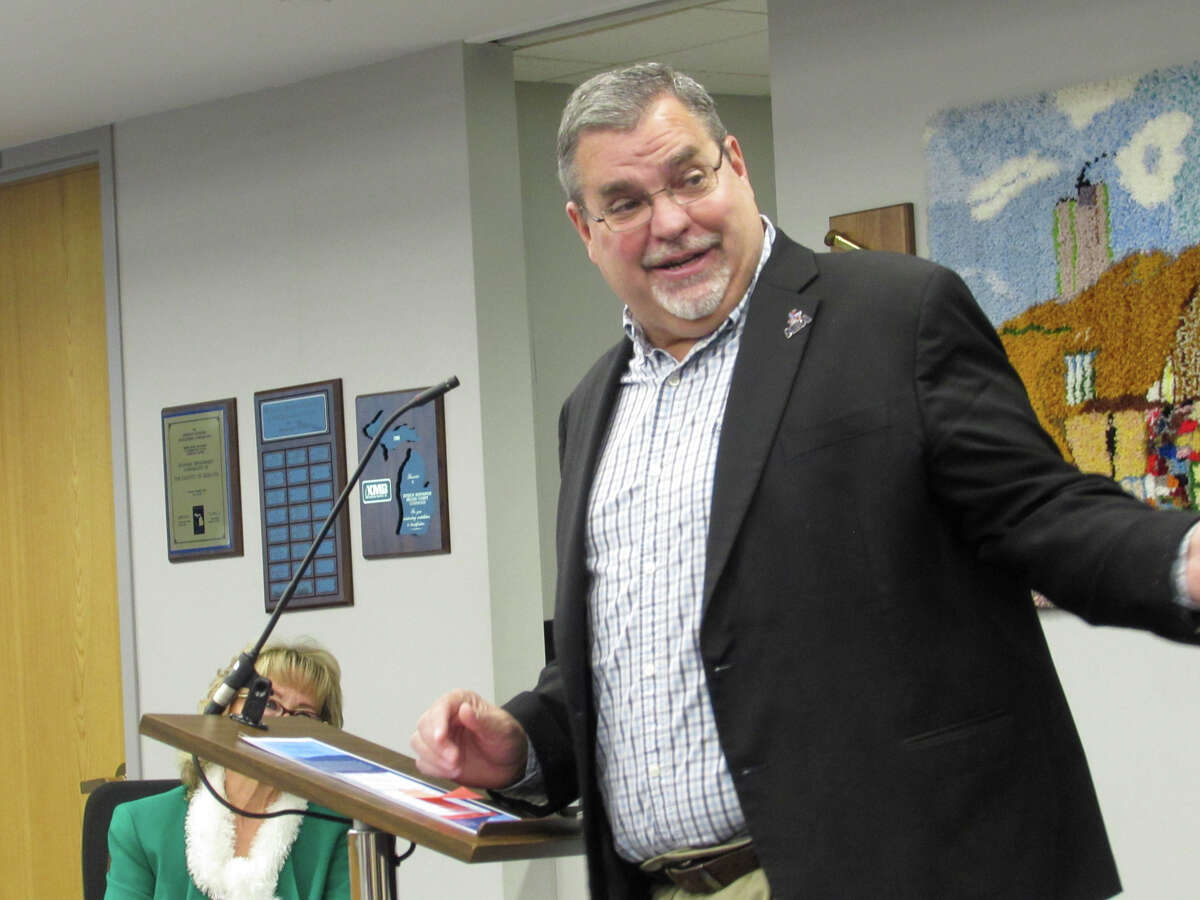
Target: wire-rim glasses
x=692, y=182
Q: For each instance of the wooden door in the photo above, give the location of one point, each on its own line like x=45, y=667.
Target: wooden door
x=59, y=638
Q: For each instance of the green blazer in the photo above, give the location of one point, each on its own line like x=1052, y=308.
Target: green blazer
x=146, y=845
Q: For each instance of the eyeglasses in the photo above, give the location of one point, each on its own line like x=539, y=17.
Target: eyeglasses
x=275, y=708
x=691, y=183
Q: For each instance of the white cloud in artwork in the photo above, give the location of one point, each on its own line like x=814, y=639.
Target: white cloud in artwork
x=993, y=279
x=1150, y=162
x=1083, y=102
x=989, y=196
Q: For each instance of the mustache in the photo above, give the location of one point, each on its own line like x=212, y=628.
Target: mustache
x=669, y=251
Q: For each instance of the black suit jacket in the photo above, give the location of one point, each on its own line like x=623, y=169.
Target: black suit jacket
x=884, y=500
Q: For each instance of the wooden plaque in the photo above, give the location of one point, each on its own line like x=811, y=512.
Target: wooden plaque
x=402, y=493
x=201, y=480
x=882, y=228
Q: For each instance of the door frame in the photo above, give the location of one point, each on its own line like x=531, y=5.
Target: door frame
x=44, y=157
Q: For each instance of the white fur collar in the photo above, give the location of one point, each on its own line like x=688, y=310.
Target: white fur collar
x=210, y=838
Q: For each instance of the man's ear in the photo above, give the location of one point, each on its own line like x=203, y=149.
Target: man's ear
x=583, y=225
x=737, y=162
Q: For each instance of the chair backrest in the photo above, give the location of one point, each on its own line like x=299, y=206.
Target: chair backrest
x=97, y=813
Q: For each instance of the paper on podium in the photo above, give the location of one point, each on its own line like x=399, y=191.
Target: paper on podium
x=460, y=807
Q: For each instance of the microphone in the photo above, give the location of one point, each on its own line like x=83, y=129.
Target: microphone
x=243, y=670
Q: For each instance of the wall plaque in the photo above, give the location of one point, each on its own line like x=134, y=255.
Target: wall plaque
x=402, y=494
x=201, y=480
x=301, y=472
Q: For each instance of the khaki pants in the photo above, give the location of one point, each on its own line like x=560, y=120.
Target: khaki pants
x=751, y=886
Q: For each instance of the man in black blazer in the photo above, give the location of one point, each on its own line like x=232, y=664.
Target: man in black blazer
x=872, y=499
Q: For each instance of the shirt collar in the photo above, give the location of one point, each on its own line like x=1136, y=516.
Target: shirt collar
x=643, y=348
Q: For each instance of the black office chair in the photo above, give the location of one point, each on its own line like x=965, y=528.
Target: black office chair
x=97, y=813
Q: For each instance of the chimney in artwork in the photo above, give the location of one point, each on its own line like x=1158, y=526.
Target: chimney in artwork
x=1081, y=232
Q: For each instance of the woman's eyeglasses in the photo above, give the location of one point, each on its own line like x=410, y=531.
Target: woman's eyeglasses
x=275, y=708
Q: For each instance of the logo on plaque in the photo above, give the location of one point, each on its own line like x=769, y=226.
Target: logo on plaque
x=376, y=490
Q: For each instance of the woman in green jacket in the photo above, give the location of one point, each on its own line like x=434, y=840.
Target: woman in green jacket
x=185, y=844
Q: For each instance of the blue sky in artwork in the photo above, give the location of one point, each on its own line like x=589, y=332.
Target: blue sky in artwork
x=995, y=172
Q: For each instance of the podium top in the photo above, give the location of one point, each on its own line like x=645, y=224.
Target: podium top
x=218, y=739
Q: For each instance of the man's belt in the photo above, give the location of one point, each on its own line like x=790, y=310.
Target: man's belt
x=708, y=874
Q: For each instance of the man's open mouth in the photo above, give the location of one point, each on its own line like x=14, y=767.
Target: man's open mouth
x=679, y=262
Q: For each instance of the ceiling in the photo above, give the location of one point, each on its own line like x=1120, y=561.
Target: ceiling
x=69, y=66
x=721, y=43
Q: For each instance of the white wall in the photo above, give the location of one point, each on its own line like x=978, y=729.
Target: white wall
x=506, y=398
x=854, y=82
x=317, y=231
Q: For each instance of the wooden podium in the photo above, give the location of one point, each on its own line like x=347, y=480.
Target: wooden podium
x=377, y=821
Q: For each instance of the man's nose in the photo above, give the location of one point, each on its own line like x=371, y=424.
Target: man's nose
x=667, y=218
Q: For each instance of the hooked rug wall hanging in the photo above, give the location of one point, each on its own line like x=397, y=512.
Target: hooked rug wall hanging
x=1074, y=216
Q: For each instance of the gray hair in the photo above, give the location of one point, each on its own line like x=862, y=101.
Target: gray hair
x=617, y=100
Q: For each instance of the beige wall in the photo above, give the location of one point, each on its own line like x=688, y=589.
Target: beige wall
x=328, y=230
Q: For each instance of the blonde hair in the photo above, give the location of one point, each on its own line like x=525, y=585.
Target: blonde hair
x=304, y=665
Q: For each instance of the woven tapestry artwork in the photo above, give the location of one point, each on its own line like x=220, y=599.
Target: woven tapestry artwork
x=1074, y=217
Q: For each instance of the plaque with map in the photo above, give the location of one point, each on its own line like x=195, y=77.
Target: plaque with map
x=402, y=493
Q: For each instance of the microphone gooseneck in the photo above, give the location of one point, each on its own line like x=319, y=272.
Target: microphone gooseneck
x=243, y=670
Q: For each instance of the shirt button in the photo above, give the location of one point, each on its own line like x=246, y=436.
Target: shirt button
x=653, y=771
x=648, y=670
x=673, y=381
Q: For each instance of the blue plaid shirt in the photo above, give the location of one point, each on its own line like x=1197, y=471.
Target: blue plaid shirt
x=664, y=779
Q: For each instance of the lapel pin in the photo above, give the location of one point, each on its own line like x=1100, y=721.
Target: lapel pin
x=796, y=320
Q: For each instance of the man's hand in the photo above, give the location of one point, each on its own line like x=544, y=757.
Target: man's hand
x=466, y=739
x=1192, y=567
